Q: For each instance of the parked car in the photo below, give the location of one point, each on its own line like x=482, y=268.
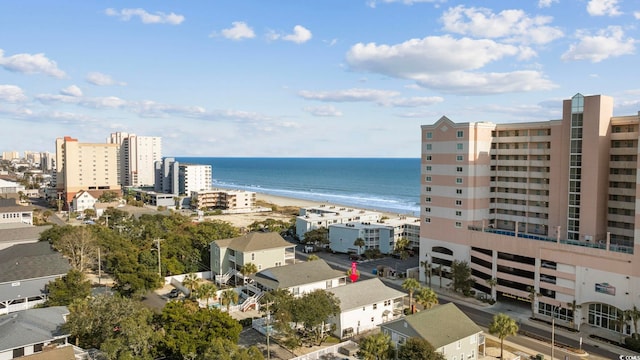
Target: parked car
x=174, y=293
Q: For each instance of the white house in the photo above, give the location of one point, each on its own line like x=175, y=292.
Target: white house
x=14, y=215
x=382, y=234
x=82, y=201
x=445, y=327
x=364, y=305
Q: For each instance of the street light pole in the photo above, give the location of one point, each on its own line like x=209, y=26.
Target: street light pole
x=553, y=323
x=157, y=241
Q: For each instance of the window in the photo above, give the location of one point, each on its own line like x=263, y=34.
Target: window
x=459, y=169
x=459, y=345
x=427, y=199
x=295, y=291
x=458, y=180
x=459, y=191
x=427, y=220
x=329, y=284
x=427, y=179
x=429, y=135
x=375, y=306
x=427, y=189
x=253, y=256
x=459, y=146
x=372, y=319
x=428, y=146
x=427, y=209
x=459, y=157
x=428, y=168
x=458, y=213
x=459, y=134
x=429, y=158
x=387, y=302
x=458, y=202
x=458, y=224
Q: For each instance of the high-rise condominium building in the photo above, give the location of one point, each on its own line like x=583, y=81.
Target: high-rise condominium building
x=85, y=166
x=138, y=155
x=541, y=211
x=194, y=177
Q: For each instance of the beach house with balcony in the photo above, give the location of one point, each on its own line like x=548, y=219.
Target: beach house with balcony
x=446, y=327
x=264, y=249
x=323, y=216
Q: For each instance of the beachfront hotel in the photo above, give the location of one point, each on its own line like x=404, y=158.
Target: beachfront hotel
x=547, y=209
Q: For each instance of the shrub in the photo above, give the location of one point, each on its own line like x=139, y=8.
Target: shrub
x=632, y=344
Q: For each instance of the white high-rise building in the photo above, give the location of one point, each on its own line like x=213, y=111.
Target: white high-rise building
x=194, y=177
x=138, y=155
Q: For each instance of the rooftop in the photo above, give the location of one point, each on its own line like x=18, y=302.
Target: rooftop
x=255, y=241
x=284, y=277
x=365, y=292
x=31, y=326
x=30, y=261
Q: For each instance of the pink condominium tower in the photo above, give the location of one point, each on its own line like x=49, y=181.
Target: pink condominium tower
x=542, y=212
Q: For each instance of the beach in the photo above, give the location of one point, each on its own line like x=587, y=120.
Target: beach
x=244, y=220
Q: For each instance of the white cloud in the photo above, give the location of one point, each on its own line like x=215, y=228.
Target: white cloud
x=637, y=15
x=72, y=90
x=603, y=7
x=300, y=35
x=609, y=42
x=414, y=101
x=12, y=94
x=100, y=79
x=330, y=42
x=325, y=111
x=31, y=64
x=546, y=3
x=145, y=17
x=468, y=83
x=240, y=30
x=510, y=25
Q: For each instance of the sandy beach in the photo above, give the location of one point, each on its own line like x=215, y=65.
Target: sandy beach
x=244, y=220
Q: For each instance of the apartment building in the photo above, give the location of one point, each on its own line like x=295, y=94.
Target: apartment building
x=85, y=166
x=548, y=209
x=233, y=200
x=324, y=215
x=194, y=177
x=382, y=235
x=138, y=155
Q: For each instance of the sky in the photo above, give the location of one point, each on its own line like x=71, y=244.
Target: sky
x=314, y=78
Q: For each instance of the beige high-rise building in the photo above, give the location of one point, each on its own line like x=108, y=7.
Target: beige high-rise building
x=547, y=210
x=138, y=155
x=85, y=166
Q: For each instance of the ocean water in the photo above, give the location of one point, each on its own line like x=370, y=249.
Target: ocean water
x=384, y=184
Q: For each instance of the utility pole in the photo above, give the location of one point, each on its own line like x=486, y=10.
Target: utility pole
x=157, y=241
x=99, y=267
x=268, y=331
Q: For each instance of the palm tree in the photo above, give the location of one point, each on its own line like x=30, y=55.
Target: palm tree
x=440, y=274
x=573, y=306
x=229, y=297
x=492, y=282
x=633, y=315
x=359, y=242
x=427, y=271
x=375, y=347
x=246, y=270
x=533, y=296
x=190, y=282
x=206, y=291
x=503, y=326
x=411, y=285
x=426, y=297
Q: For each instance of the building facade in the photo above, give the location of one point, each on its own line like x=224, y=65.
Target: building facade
x=85, y=166
x=547, y=209
x=382, y=235
x=233, y=200
x=325, y=215
x=138, y=155
x=194, y=177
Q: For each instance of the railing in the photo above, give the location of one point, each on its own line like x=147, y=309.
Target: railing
x=320, y=354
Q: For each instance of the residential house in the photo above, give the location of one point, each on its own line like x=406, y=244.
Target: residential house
x=25, y=271
x=264, y=249
x=445, y=327
x=32, y=331
x=11, y=213
x=20, y=234
x=82, y=201
x=299, y=278
x=364, y=305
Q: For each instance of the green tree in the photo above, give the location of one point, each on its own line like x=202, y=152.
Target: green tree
x=64, y=290
x=191, y=282
x=312, y=310
x=633, y=315
x=189, y=329
x=503, y=326
x=246, y=270
x=492, y=282
x=114, y=324
x=418, y=349
x=401, y=248
x=206, y=291
x=439, y=270
x=426, y=297
x=461, y=276
x=359, y=242
x=411, y=285
x=426, y=265
x=228, y=298
x=108, y=196
x=573, y=306
x=222, y=349
x=319, y=236
x=375, y=347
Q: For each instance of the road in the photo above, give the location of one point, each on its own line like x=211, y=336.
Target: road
x=532, y=337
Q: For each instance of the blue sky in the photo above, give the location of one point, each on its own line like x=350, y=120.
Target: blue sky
x=330, y=78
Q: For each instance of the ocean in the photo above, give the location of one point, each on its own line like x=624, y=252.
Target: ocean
x=384, y=184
